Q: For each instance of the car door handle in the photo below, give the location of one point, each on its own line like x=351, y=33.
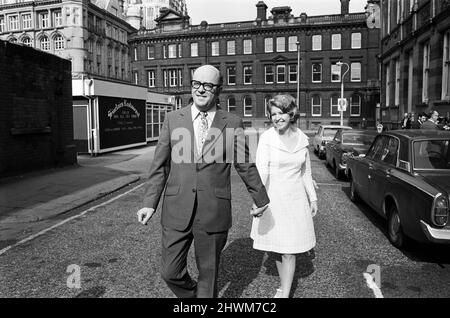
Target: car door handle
x=388, y=173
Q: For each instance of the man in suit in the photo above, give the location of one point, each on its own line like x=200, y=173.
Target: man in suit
x=432, y=122
x=197, y=200
x=418, y=123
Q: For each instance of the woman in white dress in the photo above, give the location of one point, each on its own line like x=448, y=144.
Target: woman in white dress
x=282, y=159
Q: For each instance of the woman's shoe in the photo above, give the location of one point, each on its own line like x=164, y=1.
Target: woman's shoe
x=278, y=294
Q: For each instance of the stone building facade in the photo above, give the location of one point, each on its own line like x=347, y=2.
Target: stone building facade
x=259, y=59
x=93, y=34
x=415, y=58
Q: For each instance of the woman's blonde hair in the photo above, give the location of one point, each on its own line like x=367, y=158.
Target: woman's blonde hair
x=287, y=105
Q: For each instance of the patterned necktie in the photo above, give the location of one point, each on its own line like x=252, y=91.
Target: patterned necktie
x=202, y=132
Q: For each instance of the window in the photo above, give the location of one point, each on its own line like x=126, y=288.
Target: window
x=172, y=51
x=267, y=106
x=335, y=73
x=58, y=41
x=316, y=106
x=397, y=83
x=248, y=46
x=57, y=18
x=355, y=70
x=194, y=49
x=446, y=68
x=292, y=43
x=135, y=53
x=247, y=74
x=281, y=74
x=281, y=44
x=2, y=24
x=317, y=73
x=356, y=40
x=178, y=103
x=136, y=77
x=150, y=52
x=192, y=72
x=411, y=5
x=165, y=80
x=173, y=78
x=180, y=50
x=399, y=10
x=248, y=107
x=180, y=77
x=269, y=76
x=164, y=49
x=410, y=79
x=231, y=103
x=334, y=111
x=44, y=20
x=388, y=84
x=355, y=105
x=151, y=78
x=26, y=41
x=268, y=45
x=215, y=48
x=44, y=43
x=292, y=73
x=231, y=75
x=317, y=42
x=12, y=40
x=26, y=21
x=231, y=47
x=425, y=71
x=13, y=22
x=335, y=41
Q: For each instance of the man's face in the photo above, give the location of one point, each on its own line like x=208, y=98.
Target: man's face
x=435, y=116
x=204, y=97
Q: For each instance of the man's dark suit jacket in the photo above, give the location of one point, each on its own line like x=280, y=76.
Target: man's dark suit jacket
x=430, y=125
x=186, y=175
x=416, y=124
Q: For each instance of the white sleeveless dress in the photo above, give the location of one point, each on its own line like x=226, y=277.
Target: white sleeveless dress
x=286, y=227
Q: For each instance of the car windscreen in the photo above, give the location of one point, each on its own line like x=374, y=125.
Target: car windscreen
x=357, y=139
x=431, y=154
x=329, y=132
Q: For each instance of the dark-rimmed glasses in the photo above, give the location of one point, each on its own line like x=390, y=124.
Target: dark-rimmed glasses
x=207, y=86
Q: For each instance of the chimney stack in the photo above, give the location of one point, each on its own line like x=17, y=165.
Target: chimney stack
x=261, y=11
x=345, y=7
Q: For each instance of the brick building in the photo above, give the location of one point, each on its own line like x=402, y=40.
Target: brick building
x=36, y=126
x=415, y=58
x=259, y=59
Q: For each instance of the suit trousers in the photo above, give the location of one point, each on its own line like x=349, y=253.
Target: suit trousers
x=208, y=248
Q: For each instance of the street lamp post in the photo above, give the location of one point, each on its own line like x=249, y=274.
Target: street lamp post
x=298, y=74
x=341, y=103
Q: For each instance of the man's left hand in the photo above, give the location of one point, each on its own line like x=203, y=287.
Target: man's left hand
x=257, y=212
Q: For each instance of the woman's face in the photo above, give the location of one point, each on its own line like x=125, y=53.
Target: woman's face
x=280, y=120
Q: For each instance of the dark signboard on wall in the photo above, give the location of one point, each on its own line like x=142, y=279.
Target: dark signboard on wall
x=121, y=121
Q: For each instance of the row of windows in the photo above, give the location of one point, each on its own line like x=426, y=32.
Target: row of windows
x=172, y=51
x=44, y=43
x=280, y=74
x=393, y=75
x=24, y=21
x=316, y=105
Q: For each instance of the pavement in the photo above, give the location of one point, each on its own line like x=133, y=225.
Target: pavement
x=43, y=195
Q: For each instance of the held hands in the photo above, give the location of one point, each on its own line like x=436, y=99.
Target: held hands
x=144, y=215
x=314, y=208
x=257, y=212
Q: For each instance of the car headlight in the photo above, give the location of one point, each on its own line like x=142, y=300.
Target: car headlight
x=440, y=210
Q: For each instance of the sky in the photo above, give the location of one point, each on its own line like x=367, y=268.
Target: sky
x=221, y=11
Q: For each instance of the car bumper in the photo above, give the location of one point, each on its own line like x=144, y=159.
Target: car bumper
x=436, y=235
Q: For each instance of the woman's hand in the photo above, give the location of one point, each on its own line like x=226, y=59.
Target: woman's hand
x=314, y=208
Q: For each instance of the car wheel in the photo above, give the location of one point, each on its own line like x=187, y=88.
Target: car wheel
x=353, y=194
x=395, y=230
x=337, y=172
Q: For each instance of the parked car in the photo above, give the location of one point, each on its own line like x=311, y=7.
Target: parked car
x=405, y=177
x=324, y=135
x=347, y=143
